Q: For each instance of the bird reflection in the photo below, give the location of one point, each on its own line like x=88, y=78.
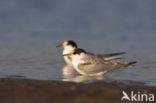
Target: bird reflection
x=68, y=70
x=70, y=74
x=84, y=78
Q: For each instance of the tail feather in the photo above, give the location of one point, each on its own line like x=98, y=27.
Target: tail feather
x=129, y=64
x=111, y=56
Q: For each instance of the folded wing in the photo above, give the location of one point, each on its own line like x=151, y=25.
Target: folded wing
x=111, y=56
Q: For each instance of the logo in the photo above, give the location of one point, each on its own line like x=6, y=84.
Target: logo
x=137, y=97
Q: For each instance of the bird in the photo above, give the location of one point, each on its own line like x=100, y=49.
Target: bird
x=92, y=65
x=70, y=45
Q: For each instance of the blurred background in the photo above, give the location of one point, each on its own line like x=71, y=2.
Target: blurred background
x=31, y=29
x=34, y=19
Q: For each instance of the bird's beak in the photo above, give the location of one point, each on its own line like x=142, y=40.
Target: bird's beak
x=67, y=54
x=60, y=46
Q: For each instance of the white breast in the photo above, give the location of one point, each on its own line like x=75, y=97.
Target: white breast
x=68, y=50
x=76, y=60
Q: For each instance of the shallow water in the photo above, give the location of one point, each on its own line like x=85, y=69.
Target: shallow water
x=29, y=35
x=44, y=61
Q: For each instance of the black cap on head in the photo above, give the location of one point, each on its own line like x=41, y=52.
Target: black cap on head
x=79, y=51
x=72, y=43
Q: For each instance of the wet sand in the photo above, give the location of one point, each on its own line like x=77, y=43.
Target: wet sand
x=39, y=91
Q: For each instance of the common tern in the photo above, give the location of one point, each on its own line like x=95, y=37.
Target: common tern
x=69, y=46
x=91, y=65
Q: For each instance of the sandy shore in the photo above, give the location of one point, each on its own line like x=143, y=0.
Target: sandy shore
x=37, y=91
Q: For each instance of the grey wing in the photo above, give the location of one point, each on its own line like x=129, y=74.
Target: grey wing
x=92, y=59
x=90, y=53
x=90, y=68
x=111, y=54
